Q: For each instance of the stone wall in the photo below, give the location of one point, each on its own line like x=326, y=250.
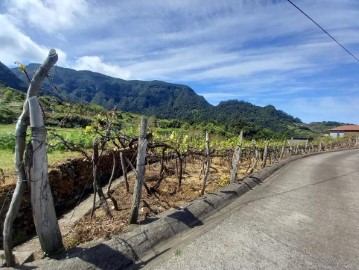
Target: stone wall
x=70, y=182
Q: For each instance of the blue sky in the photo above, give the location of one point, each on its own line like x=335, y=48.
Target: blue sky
x=261, y=51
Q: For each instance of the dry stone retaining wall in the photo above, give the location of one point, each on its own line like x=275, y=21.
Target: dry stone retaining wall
x=70, y=182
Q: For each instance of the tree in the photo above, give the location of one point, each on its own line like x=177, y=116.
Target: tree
x=32, y=170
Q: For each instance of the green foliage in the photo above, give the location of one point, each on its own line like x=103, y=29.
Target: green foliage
x=77, y=137
x=8, y=95
x=68, y=121
x=323, y=127
x=167, y=100
x=7, y=116
x=160, y=99
x=7, y=141
x=8, y=78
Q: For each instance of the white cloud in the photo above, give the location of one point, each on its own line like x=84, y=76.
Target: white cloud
x=16, y=46
x=95, y=63
x=49, y=15
x=192, y=41
x=177, y=62
x=62, y=61
x=253, y=50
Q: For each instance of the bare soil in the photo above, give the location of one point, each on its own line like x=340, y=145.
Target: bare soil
x=78, y=227
x=166, y=197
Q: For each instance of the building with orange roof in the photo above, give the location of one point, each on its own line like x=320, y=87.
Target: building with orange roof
x=342, y=131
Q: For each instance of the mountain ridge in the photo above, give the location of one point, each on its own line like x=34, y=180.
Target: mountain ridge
x=7, y=78
x=167, y=100
x=157, y=98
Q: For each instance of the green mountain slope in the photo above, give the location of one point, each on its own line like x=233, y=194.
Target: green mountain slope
x=323, y=127
x=167, y=100
x=8, y=78
x=254, y=119
x=160, y=99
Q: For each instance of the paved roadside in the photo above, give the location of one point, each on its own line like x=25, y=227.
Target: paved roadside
x=31, y=249
x=304, y=216
x=124, y=250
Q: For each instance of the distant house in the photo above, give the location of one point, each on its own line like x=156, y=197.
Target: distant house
x=342, y=131
x=298, y=141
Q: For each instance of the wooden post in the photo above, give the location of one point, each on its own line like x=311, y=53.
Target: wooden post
x=180, y=169
x=20, y=133
x=290, y=149
x=140, y=171
x=320, y=147
x=236, y=159
x=96, y=187
x=124, y=172
x=20, y=142
x=273, y=157
x=306, y=146
x=256, y=158
x=43, y=209
x=112, y=177
x=265, y=154
x=282, y=151
x=208, y=164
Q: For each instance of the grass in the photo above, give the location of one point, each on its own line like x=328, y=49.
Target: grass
x=7, y=159
x=8, y=166
x=57, y=157
x=7, y=128
x=54, y=157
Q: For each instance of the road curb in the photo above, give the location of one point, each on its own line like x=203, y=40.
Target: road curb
x=124, y=249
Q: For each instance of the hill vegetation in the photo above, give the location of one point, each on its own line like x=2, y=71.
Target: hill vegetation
x=323, y=127
x=7, y=78
x=61, y=114
x=156, y=98
x=167, y=101
x=171, y=101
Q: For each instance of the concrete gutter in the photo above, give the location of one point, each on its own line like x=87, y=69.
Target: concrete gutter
x=124, y=249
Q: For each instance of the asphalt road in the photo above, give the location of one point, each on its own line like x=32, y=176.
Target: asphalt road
x=305, y=216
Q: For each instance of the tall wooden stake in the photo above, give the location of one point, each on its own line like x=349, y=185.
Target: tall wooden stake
x=124, y=172
x=20, y=142
x=208, y=164
x=236, y=159
x=282, y=151
x=43, y=209
x=265, y=155
x=140, y=171
x=96, y=187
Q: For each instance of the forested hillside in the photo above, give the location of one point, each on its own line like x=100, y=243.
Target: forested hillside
x=257, y=120
x=167, y=100
x=323, y=127
x=7, y=78
x=160, y=99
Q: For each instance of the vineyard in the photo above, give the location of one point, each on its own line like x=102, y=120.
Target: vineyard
x=162, y=164
x=179, y=167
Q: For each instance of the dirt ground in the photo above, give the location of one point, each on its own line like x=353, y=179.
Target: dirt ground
x=167, y=196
